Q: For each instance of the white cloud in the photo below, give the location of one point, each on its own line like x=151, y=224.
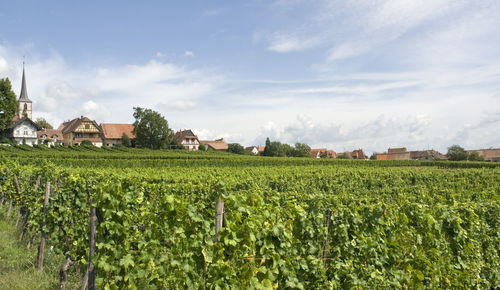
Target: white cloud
x=188, y=53
x=341, y=109
x=285, y=42
x=178, y=105
x=95, y=111
x=160, y=54
x=4, y=66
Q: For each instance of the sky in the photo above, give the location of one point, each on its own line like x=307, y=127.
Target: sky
x=337, y=74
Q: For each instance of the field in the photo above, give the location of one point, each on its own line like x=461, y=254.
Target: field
x=287, y=222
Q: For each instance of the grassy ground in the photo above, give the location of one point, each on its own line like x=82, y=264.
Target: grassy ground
x=17, y=270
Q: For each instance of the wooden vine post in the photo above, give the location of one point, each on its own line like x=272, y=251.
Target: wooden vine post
x=89, y=278
x=327, y=225
x=41, y=247
x=24, y=225
x=219, y=218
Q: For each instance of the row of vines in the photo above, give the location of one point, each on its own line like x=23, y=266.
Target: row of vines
x=285, y=226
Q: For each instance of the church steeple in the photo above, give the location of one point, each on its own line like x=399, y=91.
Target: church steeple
x=25, y=105
x=23, y=97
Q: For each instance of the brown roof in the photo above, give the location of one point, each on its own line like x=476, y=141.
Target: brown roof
x=116, y=131
x=70, y=126
x=358, y=154
x=181, y=135
x=488, y=154
x=50, y=133
x=396, y=150
x=218, y=144
x=425, y=154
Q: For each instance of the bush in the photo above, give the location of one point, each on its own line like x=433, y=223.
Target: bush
x=86, y=143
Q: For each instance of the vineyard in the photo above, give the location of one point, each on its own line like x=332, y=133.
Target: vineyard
x=177, y=219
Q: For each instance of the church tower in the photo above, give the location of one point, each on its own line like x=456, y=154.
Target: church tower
x=24, y=103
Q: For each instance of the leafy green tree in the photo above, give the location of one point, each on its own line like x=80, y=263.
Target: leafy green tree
x=202, y=147
x=456, y=153
x=236, y=148
x=126, y=140
x=42, y=123
x=151, y=129
x=374, y=156
x=267, y=149
x=301, y=150
x=474, y=156
x=8, y=104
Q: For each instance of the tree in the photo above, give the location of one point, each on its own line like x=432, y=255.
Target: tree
x=374, y=156
x=267, y=149
x=456, y=153
x=202, y=147
x=474, y=156
x=42, y=123
x=301, y=150
x=126, y=140
x=236, y=148
x=8, y=104
x=151, y=129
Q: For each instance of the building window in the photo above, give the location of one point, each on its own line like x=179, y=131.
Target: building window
x=25, y=132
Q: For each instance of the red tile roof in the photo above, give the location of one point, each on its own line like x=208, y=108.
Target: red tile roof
x=116, y=131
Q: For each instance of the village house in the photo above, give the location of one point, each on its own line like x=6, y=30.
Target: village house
x=112, y=133
x=255, y=150
x=395, y=154
x=80, y=129
x=187, y=139
x=403, y=154
x=50, y=137
x=355, y=154
x=23, y=129
x=426, y=155
x=322, y=153
x=488, y=154
x=217, y=145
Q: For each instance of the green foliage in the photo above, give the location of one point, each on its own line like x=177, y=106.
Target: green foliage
x=374, y=156
x=42, y=123
x=396, y=226
x=202, y=147
x=8, y=104
x=86, y=143
x=474, y=156
x=126, y=140
x=456, y=153
x=6, y=140
x=236, y=148
x=301, y=150
x=277, y=149
x=151, y=129
x=343, y=156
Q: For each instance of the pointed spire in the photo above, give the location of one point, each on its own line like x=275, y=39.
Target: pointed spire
x=23, y=97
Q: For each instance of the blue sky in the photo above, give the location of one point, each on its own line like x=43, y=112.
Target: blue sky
x=339, y=74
